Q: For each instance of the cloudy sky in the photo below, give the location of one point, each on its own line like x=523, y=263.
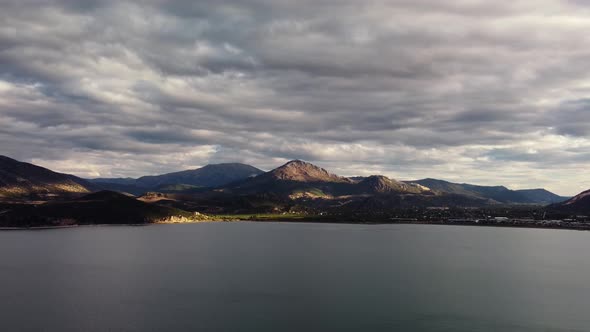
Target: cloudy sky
x=464, y=90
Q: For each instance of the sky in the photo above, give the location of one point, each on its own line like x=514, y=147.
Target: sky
x=471, y=91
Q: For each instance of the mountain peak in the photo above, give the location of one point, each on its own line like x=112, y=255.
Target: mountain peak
x=301, y=171
x=298, y=163
x=378, y=184
x=382, y=184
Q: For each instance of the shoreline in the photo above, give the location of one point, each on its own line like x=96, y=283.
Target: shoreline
x=38, y=228
x=548, y=227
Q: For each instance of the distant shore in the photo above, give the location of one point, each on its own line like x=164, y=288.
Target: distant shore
x=299, y=219
x=35, y=228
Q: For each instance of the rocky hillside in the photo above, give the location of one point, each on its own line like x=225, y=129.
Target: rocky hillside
x=379, y=184
x=298, y=179
x=295, y=177
x=301, y=171
x=24, y=180
x=579, y=204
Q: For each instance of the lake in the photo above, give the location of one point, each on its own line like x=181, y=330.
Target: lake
x=294, y=277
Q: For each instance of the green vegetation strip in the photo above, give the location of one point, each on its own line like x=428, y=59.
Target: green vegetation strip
x=268, y=217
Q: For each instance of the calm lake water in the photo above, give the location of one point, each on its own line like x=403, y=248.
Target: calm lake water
x=294, y=277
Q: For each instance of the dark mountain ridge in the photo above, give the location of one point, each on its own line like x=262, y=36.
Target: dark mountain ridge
x=24, y=180
x=579, y=204
x=212, y=175
x=541, y=195
x=499, y=194
x=103, y=207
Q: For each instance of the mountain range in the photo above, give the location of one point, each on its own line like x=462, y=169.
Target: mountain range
x=19, y=179
x=498, y=194
x=296, y=181
x=209, y=176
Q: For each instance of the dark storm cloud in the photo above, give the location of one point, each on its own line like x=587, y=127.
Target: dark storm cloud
x=572, y=118
x=493, y=92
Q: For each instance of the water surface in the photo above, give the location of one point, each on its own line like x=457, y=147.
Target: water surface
x=294, y=277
